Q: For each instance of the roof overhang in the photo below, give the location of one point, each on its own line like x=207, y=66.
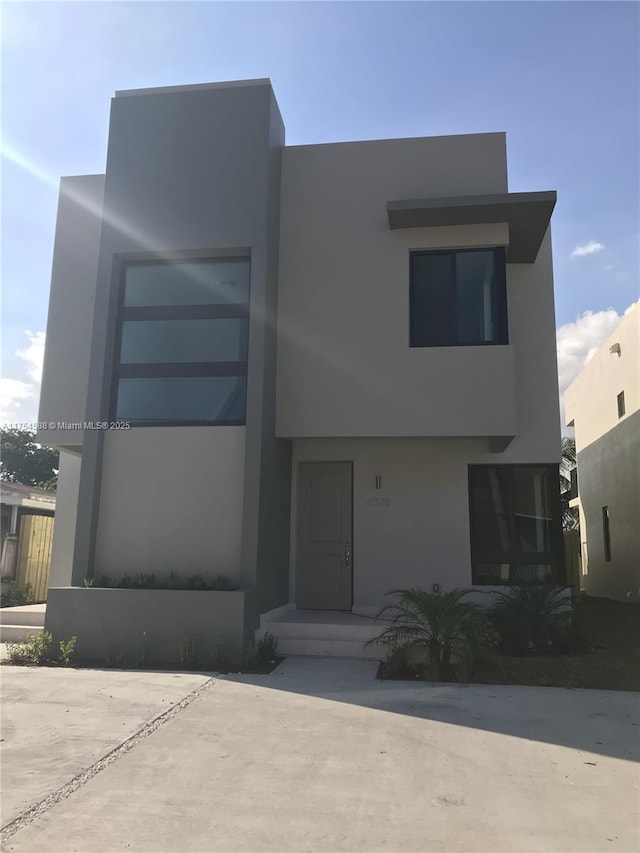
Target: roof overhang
x=527, y=214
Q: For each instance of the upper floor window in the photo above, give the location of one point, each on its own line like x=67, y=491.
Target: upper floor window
x=182, y=343
x=458, y=298
x=621, y=406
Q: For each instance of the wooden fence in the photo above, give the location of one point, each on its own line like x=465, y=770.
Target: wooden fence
x=34, y=553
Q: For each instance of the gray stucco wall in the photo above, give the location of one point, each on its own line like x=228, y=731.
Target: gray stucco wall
x=272, y=564
x=64, y=529
x=193, y=171
x=63, y=394
x=345, y=367
x=111, y=621
x=182, y=512
x=414, y=531
x=609, y=475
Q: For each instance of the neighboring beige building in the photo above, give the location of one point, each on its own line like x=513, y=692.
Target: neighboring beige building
x=603, y=404
x=337, y=363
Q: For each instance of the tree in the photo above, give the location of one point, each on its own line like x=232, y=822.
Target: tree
x=27, y=462
x=570, y=517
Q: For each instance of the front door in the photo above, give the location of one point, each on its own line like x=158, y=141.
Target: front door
x=323, y=564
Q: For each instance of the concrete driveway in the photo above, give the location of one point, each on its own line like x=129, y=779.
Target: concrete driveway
x=317, y=756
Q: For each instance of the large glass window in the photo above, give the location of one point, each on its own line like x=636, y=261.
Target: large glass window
x=182, y=343
x=458, y=298
x=515, y=523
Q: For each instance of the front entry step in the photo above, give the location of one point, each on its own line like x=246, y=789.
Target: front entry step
x=324, y=634
x=16, y=623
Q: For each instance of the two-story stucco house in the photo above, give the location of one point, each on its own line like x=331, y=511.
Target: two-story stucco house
x=337, y=362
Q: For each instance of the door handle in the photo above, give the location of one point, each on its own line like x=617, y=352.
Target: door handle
x=347, y=554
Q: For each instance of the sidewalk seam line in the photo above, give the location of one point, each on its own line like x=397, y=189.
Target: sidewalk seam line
x=79, y=780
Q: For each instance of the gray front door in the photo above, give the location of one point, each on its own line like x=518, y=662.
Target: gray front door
x=323, y=564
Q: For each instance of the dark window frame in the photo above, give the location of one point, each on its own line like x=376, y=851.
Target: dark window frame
x=621, y=405
x=606, y=533
x=499, y=295
x=554, y=557
x=169, y=370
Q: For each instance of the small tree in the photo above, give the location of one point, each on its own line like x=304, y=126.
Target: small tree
x=25, y=461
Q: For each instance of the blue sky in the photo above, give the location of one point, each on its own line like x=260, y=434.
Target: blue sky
x=561, y=78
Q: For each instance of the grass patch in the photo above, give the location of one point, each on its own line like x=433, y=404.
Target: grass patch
x=611, y=632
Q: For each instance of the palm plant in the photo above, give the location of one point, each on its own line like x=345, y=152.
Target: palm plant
x=438, y=626
x=531, y=617
x=570, y=516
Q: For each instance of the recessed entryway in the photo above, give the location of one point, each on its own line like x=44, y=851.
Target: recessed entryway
x=324, y=566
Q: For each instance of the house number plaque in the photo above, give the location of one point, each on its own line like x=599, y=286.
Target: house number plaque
x=379, y=502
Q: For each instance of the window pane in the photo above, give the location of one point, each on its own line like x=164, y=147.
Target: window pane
x=475, y=289
x=210, y=398
x=491, y=573
x=531, y=573
x=500, y=573
x=187, y=283
x=531, y=509
x=432, y=300
x=490, y=509
x=163, y=341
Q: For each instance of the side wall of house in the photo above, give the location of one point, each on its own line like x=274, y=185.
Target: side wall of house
x=63, y=393
x=609, y=476
x=608, y=451
x=64, y=529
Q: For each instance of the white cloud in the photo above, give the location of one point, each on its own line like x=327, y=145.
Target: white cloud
x=589, y=248
x=34, y=355
x=19, y=398
x=12, y=391
x=578, y=342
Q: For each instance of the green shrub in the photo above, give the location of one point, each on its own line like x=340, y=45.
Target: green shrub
x=222, y=583
x=174, y=581
x=15, y=595
x=68, y=651
x=18, y=654
x=145, y=580
x=531, y=618
x=144, y=651
x=115, y=656
x=220, y=654
x=40, y=645
x=36, y=649
x=251, y=659
x=267, y=648
x=188, y=650
x=399, y=662
x=259, y=655
x=437, y=629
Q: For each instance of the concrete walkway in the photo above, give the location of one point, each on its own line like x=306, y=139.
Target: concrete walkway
x=319, y=756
